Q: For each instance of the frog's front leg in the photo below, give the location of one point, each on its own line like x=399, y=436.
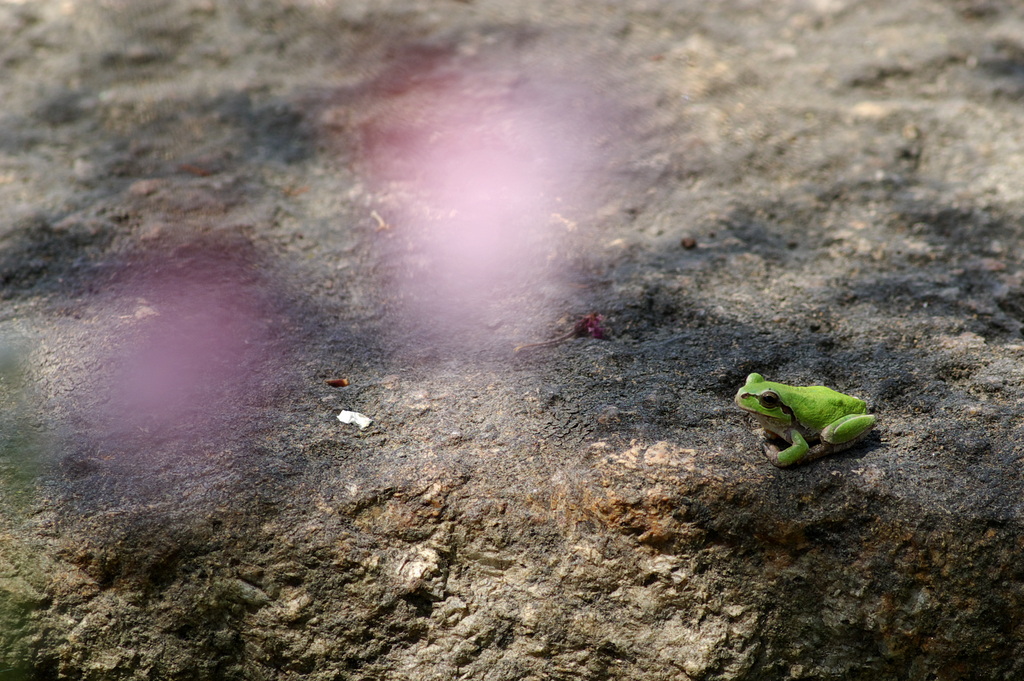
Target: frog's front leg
x=790, y=455
x=847, y=430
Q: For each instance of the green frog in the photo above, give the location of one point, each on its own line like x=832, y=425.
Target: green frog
x=813, y=420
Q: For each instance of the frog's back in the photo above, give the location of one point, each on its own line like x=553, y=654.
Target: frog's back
x=828, y=405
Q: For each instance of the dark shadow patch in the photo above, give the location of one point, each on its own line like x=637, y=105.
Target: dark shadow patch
x=271, y=131
x=964, y=226
x=981, y=10
x=961, y=273
x=38, y=258
x=208, y=136
x=1003, y=62
x=63, y=107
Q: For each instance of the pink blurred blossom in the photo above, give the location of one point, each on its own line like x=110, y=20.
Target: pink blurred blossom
x=474, y=166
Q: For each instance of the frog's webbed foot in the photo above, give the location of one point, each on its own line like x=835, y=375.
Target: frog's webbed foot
x=771, y=448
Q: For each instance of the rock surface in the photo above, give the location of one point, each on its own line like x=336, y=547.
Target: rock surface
x=208, y=208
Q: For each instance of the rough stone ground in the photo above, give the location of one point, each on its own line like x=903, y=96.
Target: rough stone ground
x=208, y=208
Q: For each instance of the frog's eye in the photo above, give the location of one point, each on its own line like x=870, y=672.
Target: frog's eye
x=769, y=399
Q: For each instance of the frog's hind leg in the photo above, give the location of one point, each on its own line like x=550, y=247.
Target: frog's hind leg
x=847, y=430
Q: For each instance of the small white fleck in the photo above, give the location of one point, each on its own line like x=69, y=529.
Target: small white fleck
x=361, y=420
